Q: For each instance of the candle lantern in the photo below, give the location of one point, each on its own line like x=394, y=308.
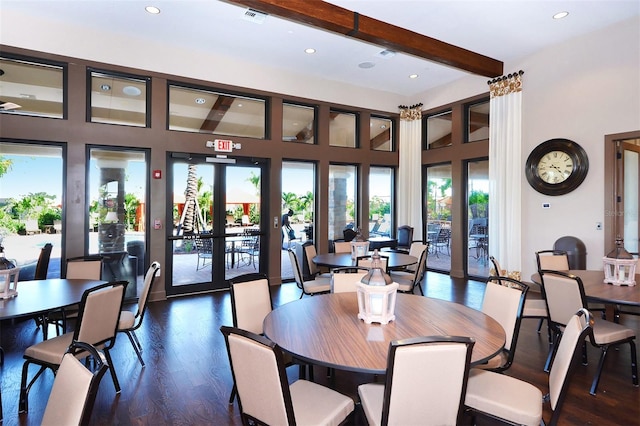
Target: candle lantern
x=8, y=276
x=376, y=294
x=619, y=266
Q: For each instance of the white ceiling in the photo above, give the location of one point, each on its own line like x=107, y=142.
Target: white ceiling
x=503, y=30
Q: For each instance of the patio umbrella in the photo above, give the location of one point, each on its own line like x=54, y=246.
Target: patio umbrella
x=236, y=195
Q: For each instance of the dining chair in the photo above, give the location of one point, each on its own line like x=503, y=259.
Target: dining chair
x=565, y=294
x=204, y=249
x=405, y=238
x=341, y=247
x=515, y=401
x=407, y=282
x=415, y=250
x=74, y=388
x=314, y=270
x=264, y=393
x=42, y=268
x=504, y=300
x=344, y=280
x=310, y=287
x=435, y=366
x=349, y=234
x=367, y=262
x=131, y=321
x=96, y=325
x=442, y=241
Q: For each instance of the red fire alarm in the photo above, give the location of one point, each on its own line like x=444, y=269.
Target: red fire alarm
x=157, y=174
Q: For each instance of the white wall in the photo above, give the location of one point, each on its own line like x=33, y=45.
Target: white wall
x=581, y=90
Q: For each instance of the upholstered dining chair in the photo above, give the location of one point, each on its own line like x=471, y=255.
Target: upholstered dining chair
x=341, y=247
x=74, y=388
x=408, y=282
x=367, y=262
x=344, y=280
x=565, y=294
x=96, y=325
x=504, y=300
x=264, y=393
x=437, y=366
x=314, y=270
x=42, y=268
x=515, y=401
x=131, y=321
x=415, y=250
x=405, y=237
x=309, y=287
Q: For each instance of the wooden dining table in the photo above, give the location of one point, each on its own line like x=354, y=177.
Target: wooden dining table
x=325, y=330
x=596, y=290
x=340, y=260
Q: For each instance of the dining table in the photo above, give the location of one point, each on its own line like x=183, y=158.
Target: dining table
x=325, y=330
x=395, y=260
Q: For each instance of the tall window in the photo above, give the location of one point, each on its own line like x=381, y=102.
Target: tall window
x=298, y=123
x=343, y=129
x=478, y=211
x=342, y=199
x=380, y=201
x=381, y=134
x=439, y=215
x=118, y=99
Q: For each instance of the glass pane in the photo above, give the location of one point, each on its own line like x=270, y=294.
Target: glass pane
x=342, y=199
x=32, y=88
x=380, y=201
x=31, y=205
x=118, y=100
x=439, y=130
x=203, y=111
x=298, y=123
x=117, y=213
x=439, y=216
x=342, y=129
x=478, y=122
x=631, y=203
x=381, y=134
x=298, y=195
x=478, y=211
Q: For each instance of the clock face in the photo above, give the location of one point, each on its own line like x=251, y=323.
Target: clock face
x=555, y=167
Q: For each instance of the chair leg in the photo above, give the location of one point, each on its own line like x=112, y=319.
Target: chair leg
x=113, y=370
x=234, y=392
x=634, y=363
x=135, y=346
x=596, y=378
x=552, y=351
x=23, y=402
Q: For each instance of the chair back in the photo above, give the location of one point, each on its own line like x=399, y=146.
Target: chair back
x=564, y=294
x=438, y=366
x=42, y=267
x=99, y=314
x=87, y=267
x=405, y=236
x=552, y=260
x=297, y=275
x=367, y=262
x=496, y=267
x=149, y=278
x=311, y=252
x=578, y=327
x=250, y=301
x=349, y=234
x=341, y=247
x=416, y=250
x=421, y=268
x=258, y=371
x=74, y=389
x=504, y=301
x=344, y=280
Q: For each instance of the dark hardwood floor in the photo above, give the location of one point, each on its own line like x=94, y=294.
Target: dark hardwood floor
x=187, y=379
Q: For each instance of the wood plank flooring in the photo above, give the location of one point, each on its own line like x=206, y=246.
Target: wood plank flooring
x=187, y=380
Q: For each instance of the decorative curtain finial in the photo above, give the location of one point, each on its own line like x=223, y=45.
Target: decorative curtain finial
x=409, y=113
x=506, y=84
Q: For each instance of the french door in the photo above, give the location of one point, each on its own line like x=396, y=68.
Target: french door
x=628, y=195
x=214, y=227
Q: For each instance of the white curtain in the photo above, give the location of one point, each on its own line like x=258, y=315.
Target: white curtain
x=409, y=208
x=505, y=172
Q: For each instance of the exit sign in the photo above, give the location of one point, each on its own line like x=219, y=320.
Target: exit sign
x=223, y=145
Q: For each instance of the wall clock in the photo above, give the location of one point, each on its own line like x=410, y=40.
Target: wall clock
x=556, y=167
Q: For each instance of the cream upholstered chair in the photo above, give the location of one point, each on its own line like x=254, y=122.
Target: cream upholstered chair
x=367, y=262
x=130, y=321
x=565, y=294
x=437, y=367
x=416, y=250
x=504, y=300
x=341, y=247
x=74, y=389
x=344, y=280
x=310, y=287
x=310, y=252
x=518, y=402
x=409, y=281
x=96, y=325
x=264, y=395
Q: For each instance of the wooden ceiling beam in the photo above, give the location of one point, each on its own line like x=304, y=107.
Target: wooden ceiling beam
x=339, y=20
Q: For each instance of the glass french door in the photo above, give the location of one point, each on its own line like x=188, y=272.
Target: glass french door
x=628, y=195
x=214, y=231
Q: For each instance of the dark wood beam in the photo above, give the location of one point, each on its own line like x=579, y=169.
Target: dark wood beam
x=216, y=113
x=339, y=20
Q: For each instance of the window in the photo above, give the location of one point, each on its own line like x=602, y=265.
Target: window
x=118, y=99
x=343, y=129
x=478, y=213
x=342, y=199
x=439, y=130
x=33, y=88
x=298, y=123
x=381, y=134
x=439, y=203
x=380, y=201
x=477, y=122
x=207, y=111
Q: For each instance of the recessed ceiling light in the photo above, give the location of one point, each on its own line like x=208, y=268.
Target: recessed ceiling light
x=560, y=15
x=366, y=65
x=414, y=76
x=152, y=10
x=310, y=50
x=105, y=87
x=200, y=101
x=131, y=90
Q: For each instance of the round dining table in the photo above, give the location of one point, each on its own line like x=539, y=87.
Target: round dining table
x=325, y=330
x=340, y=260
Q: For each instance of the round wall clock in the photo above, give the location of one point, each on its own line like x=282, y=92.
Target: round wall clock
x=556, y=167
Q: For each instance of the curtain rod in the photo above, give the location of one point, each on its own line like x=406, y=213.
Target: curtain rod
x=409, y=107
x=504, y=77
